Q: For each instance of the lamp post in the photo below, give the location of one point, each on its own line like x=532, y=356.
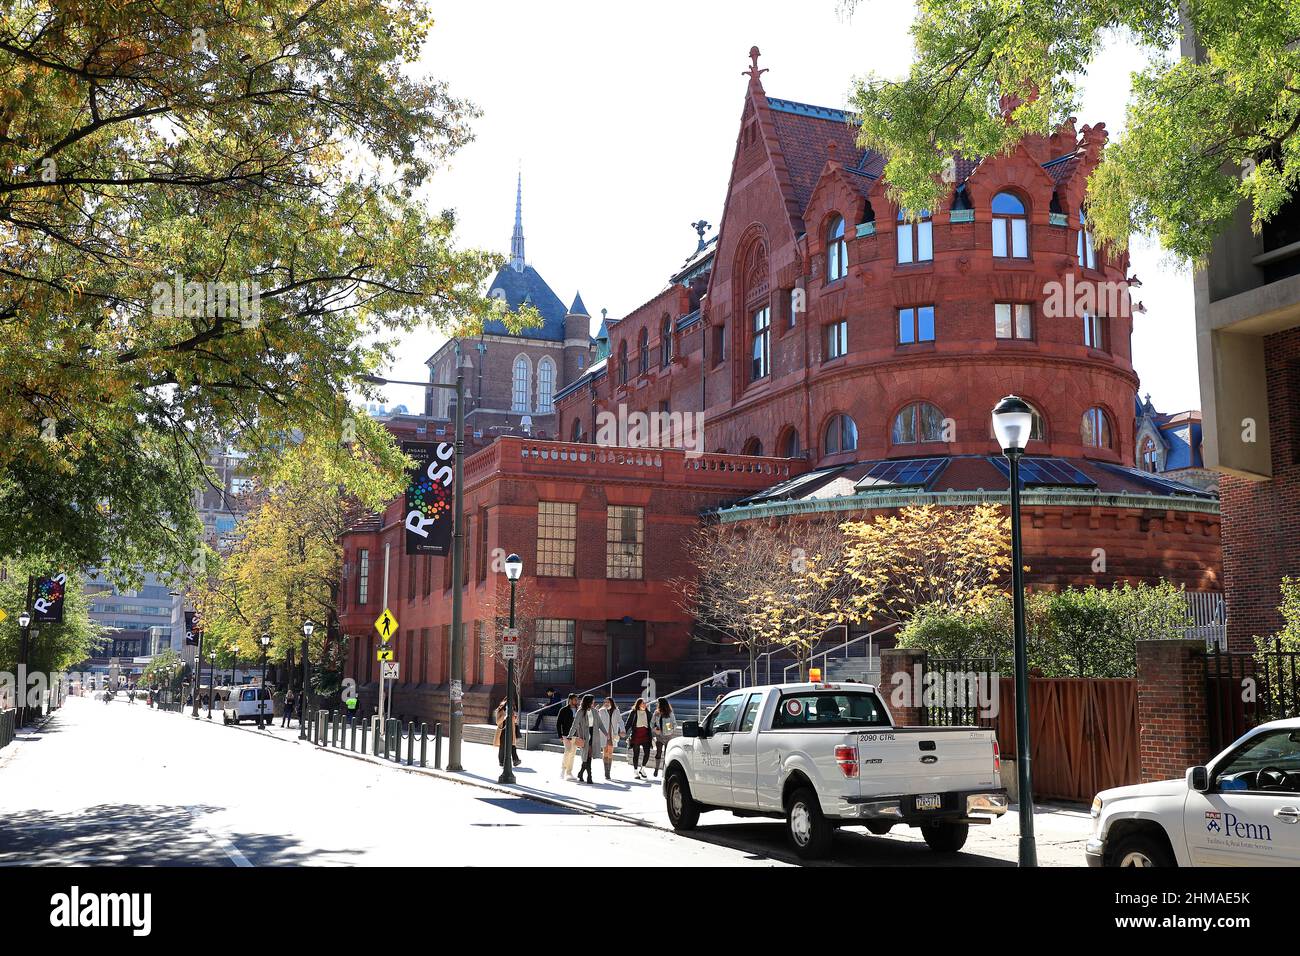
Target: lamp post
x=198, y=677
x=514, y=568
x=212, y=679
x=454, y=689
x=261, y=691
x=1013, y=422
x=20, y=691
x=308, y=628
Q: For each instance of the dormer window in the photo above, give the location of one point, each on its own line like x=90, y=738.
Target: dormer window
x=1010, y=227
x=837, y=250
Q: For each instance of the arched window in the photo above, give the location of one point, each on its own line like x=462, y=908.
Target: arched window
x=578, y=434
x=1037, y=430
x=788, y=447
x=643, y=361
x=1083, y=249
x=1148, y=460
x=915, y=238
x=545, y=385
x=622, y=362
x=752, y=447
x=519, y=385
x=841, y=435
x=1095, y=429
x=918, y=422
x=665, y=342
x=1010, y=227
x=837, y=250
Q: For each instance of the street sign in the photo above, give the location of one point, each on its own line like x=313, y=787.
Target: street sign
x=391, y=670
x=384, y=654
x=386, y=625
x=3, y=615
x=509, y=651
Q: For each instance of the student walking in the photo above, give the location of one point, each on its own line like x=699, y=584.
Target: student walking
x=662, y=726
x=639, y=736
x=564, y=727
x=585, y=732
x=288, y=708
x=611, y=729
x=499, y=739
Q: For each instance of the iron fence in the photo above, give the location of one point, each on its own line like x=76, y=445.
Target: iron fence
x=1245, y=689
x=959, y=691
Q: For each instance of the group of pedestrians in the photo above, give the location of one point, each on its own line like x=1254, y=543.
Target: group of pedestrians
x=587, y=729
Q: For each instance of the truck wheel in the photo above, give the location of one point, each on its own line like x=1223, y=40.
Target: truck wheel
x=945, y=837
x=1139, y=850
x=809, y=832
x=683, y=811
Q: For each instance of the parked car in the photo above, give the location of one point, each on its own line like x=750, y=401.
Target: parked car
x=1241, y=809
x=242, y=704
x=825, y=755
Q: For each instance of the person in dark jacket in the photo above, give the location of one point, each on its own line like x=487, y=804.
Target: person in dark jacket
x=551, y=706
x=288, y=708
x=564, y=724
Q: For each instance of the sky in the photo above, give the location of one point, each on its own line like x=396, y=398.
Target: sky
x=623, y=121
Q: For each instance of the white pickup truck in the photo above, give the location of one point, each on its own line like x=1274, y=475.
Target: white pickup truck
x=1241, y=809
x=825, y=755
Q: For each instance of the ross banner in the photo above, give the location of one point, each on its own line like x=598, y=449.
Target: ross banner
x=47, y=607
x=192, y=628
x=429, y=497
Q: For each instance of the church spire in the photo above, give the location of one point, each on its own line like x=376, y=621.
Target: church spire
x=517, y=239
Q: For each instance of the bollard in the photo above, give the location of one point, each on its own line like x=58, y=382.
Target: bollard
x=335, y=729
x=322, y=739
x=363, y=737
x=424, y=745
x=394, y=740
x=375, y=730
x=353, y=722
x=410, y=744
x=437, y=746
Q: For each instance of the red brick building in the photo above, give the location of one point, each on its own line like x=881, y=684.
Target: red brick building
x=827, y=352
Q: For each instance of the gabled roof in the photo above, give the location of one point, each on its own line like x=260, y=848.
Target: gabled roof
x=526, y=285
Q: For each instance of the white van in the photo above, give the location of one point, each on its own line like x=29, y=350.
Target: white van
x=243, y=704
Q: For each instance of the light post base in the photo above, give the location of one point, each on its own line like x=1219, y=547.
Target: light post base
x=1028, y=851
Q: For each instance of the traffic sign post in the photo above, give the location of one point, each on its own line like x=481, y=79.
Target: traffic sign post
x=386, y=626
x=510, y=644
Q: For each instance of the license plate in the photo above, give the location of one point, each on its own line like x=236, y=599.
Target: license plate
x=929, y=801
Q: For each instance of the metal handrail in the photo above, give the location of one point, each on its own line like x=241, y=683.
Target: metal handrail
x=698, y=687
x=825, y=655
x=523, y=720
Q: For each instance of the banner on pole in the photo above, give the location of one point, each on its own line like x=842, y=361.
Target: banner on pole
x=192, y=628
x=429, y=489
x=47, y=607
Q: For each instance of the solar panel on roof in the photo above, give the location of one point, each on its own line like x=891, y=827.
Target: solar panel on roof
x=1167, y=485
x=1046, y=472
x=786, y=489
x=910, y=471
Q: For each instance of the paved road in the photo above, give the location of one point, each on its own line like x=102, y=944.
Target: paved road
x=121, y=784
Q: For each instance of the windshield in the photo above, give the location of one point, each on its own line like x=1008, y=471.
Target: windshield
x=829, y=708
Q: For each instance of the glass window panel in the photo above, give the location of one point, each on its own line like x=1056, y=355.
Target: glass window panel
x=624, y=542
x=1000, y=238
x=905, y=243
x=556, y=538
x=1024, y=321
x=1002, y=319
x=1019, y=238
x=924, y=241
x=925, y=323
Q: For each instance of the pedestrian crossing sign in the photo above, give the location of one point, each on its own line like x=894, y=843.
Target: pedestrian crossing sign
x=386, y=625
x=384, y=654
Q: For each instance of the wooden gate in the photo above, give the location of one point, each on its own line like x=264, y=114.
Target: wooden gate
x=1083, y=734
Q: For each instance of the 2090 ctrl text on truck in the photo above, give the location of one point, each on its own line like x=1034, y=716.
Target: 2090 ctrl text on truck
x=1241, y=809
x=823, y=756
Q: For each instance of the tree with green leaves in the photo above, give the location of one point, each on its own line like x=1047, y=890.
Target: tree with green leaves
x=1202, y=134
x=210, y=224
x=52, y=648
x=287, y=564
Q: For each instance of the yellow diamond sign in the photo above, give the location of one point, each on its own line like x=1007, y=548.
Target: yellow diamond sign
x=3, y=615
x=386, y=625
x=384, y=654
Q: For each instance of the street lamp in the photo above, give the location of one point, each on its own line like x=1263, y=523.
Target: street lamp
x=308, y=629
x=514, y=568
x=1013, y=421
x=212, y=679
x=20, y=691
x=261, y=691
x=455, y=691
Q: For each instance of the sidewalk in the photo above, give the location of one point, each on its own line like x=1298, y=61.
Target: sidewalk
x=1060, y=830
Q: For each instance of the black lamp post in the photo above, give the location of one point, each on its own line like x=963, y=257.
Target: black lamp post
x=308, y=628
x=212, y=679
x=514, y=568
x=1013, y=422
x=261, y=691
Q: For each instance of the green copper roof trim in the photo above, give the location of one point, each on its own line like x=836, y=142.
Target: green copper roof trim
x=876, y=500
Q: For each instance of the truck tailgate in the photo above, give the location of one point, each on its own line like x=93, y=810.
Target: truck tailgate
x=911, y=760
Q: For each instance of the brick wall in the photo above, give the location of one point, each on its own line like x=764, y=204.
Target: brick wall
x=1261, y=519
x=898, y=684
x=1172, y=731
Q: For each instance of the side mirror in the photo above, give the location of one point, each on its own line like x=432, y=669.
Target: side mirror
x=690, y=728
x=1198, y=779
